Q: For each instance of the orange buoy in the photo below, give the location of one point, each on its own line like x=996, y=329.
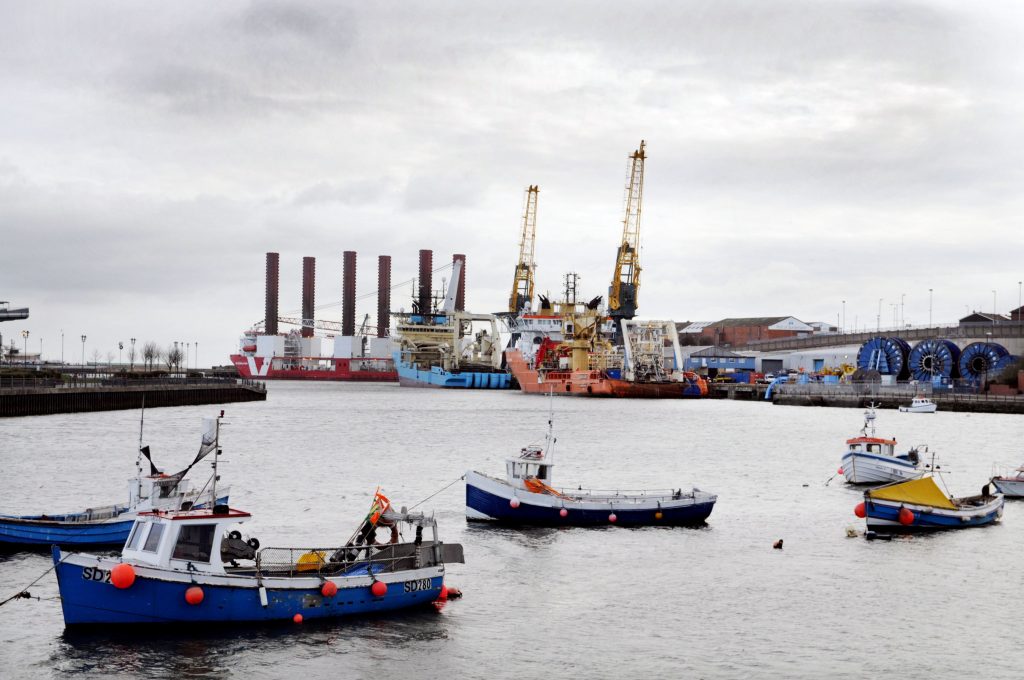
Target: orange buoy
x=379, y=588
x=122, y=576
x=563, y=513
x=328, y=589
x=612, y=518
x=906, y=517
x=194, y=595
x=297, y=618
x=444, y=592
x=860, y=510
x=658, y=515
x=514, y=502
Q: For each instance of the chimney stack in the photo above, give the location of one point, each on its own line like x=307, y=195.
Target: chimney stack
x=348, y=293
x=270, y=296
x=308, y=287
x=383, y=295
x=426, y=271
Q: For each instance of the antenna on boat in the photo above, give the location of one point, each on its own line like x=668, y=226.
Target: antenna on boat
x=549, y=453
x=216, y=457
x=138, y=457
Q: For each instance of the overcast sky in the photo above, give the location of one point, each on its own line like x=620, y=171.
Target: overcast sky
x=800, y=154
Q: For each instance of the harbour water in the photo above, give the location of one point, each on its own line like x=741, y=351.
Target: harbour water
x=714, y=602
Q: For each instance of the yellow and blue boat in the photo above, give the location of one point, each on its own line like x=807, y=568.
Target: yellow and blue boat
x=920, y=505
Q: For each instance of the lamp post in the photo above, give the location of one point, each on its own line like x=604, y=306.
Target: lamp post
x=24, y=358
x=993, y=309
x=188, y=350
x=196, y=358
x=120, y=347
x=878, y=319
x=131, y=363
x=83, y=351
x=844, y=317
x=929, y=307
x=903, y=317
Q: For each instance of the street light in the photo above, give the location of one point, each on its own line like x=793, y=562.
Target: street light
x=844, y=316
x=878, y=319
x=929, y=307
x=903, y=317
x=120, y=346
x=83, y=351
x=24, y=359
x=131, y=362
x=993, y=308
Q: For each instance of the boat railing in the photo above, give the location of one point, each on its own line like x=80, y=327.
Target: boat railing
x=628, y=495
x=352, y=560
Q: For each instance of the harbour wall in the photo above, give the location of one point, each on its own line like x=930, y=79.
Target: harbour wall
x=37, y=401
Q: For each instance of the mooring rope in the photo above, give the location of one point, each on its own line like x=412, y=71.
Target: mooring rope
x=23, y=593
x=454, y=481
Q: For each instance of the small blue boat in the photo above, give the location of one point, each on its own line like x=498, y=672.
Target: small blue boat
x=526, y=498
x=920, y=505
x=194, y=567
x=109, y=525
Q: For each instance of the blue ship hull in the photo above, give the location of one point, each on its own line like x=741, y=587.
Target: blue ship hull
x=73, y=530
x=87, y=599
x=885, y=517
x=499, y=510
x=410, y=376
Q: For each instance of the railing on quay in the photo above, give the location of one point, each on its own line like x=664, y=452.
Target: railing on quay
x=966, y=393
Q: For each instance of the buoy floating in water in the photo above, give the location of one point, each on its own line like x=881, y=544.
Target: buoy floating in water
x=122, y=576
x=194, y=595
x=563, y=513
x=379, y=588
x=612, y=518
x=840, y=470
x=329, y=589
x=860, y=510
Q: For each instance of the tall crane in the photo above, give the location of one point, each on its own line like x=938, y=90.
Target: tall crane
x=625, y=288
x=522, y=283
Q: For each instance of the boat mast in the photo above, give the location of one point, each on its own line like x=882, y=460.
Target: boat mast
x=216, y=455
x=549, y=453
x=138, y=456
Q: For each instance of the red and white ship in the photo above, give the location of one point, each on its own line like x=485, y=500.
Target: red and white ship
x=293, y=357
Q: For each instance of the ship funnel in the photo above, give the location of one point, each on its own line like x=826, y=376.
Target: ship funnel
x=270, y=295
x=308, y=287
x=348, y=293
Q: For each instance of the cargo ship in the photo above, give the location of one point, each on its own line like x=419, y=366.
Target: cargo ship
x=563, y=350
x=292, y=357
x=448, y=348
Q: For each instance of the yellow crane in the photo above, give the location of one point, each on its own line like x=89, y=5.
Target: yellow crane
x=625, y=288
x=522, y=284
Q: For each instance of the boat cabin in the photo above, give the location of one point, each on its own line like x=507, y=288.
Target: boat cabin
x=531, y=464
x=205, y=539
x=158, y=492
x=871, y=445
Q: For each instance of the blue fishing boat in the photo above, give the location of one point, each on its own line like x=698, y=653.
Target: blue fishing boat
x=920, y=505
x=525, y=497
x=109, y=525
x=449, y=348
x=195, y=567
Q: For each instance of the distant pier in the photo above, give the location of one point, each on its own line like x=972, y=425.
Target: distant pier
x=41, y=397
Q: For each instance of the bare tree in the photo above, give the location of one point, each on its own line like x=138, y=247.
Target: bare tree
x=150, y=354
x=95, y=357
x=110, y=359
x=131, y=357
x=173, y=356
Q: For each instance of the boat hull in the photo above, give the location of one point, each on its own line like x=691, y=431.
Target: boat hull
x=72, y=530
x=866, y=468
x=1009, y=487
x=488, y=499
x=930, y=408
x=157, y=596
x=410, y=376
x=883, y=515
x=595, y=383
x=341, y=370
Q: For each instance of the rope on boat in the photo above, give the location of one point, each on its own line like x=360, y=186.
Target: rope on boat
x=454, y=481
x=23, y=593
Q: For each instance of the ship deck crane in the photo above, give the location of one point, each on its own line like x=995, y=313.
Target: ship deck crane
x=625, y=288
x=522, y=282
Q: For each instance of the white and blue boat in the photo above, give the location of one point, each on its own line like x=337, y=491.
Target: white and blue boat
x=920, y=505
x=194, y=567
x=109, y=525
x=449, y=348
x=525, y=497
x=873, y=460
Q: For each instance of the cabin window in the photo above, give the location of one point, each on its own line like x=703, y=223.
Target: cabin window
x=135, y=537
x=542, y=473
x=873, y=448
x=153, y=540
x=195, y=542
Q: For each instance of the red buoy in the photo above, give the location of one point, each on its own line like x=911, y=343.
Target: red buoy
x=514, y=502
x=612, y=518
x=444, y=592
x=194, y=595
x=860, y=510
x=840, y=470
x=379, y=588
x=906, y=517
x=122, y=576
x=297, y=618
x=328, y=589
x=563, y=513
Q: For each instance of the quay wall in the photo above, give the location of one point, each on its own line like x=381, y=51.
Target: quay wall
x=37, y=401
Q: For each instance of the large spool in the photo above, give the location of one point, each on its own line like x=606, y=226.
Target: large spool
x=888, y=356
x=934, y=359
x=979, y=359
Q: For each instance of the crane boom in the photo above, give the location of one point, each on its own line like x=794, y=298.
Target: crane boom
x=522, y=283
x=625, y=288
